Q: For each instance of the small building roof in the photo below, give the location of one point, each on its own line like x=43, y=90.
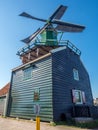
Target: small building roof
x=4, y=90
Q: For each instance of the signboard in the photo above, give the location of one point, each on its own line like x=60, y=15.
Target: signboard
x=36, y=109
x=36, y=94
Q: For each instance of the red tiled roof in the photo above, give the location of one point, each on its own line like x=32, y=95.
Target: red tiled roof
x=5, y=89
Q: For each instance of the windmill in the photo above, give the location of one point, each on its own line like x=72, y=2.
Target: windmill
x=49, y=35
x=52, y=75
x=52, y=25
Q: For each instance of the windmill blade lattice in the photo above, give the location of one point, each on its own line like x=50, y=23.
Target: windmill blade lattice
x=24, y=14
x=58, y=13
x=68, y=27
x=31, y=37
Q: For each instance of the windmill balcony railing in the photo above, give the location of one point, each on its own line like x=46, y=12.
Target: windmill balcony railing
x=66, y=43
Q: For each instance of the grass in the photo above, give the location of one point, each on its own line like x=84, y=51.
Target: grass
x=72, y=123
x=53, y=124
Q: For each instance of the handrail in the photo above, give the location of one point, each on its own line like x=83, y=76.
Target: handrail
x=66, y=43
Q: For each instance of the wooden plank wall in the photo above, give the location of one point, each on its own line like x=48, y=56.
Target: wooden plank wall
x=22, y=92
x=63, y=63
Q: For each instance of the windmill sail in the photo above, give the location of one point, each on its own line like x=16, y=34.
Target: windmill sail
x=58, y=13
x=68, y=27
x=31, y=37
x=24, y=14
x=53, y=20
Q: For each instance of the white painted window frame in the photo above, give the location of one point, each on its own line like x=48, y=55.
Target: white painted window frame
x=74, y=96
x=75, y=74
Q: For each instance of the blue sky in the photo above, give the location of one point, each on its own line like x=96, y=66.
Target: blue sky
x=14, y=28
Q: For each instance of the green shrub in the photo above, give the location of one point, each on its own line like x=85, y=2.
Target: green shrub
x=92, y=124
x=89, y=125
x=52, y=123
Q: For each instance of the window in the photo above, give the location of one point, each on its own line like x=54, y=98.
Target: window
x=78, y=96
x=35, y=68
x=75, y=74
x=27, y=73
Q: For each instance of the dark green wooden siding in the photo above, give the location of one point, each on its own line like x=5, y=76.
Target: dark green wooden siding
x=22, y=91
x=53, y=76
x=63, y=63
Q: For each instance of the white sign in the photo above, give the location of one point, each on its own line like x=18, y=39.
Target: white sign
x=37, y=109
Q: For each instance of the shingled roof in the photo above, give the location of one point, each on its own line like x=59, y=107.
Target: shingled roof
x=5, y=89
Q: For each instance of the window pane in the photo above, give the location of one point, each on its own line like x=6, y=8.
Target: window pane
x=75, y=74
x=83, y=97
x=77, y=96
x=27, y=73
